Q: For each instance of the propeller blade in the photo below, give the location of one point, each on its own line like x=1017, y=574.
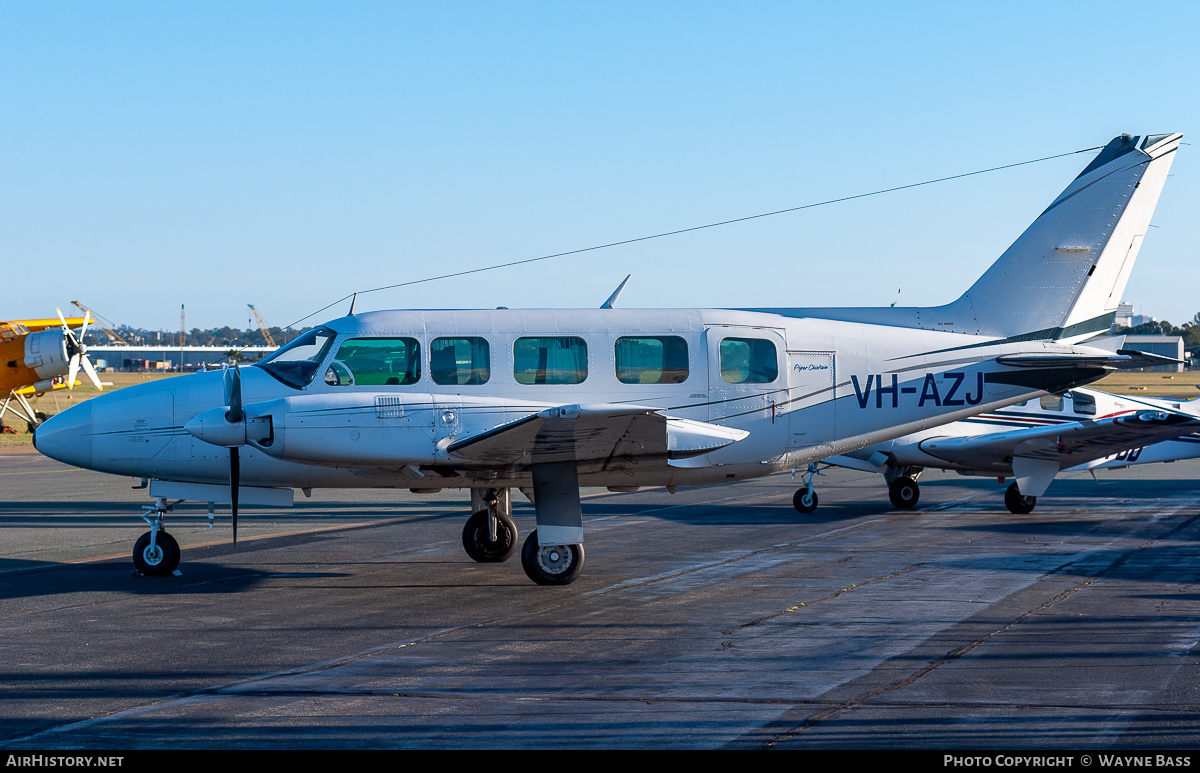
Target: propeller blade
x=90, y=370
x=235, y=475
x=233, y=394
x=87, y=317
x=73, y=370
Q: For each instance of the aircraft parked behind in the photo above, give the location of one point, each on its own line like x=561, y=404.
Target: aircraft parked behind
x=36, y=358
x=1033, y=441
x=548, y=400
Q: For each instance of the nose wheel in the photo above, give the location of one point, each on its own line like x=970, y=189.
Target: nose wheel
x=551, y=564
x=480, y=544
x=156, y=555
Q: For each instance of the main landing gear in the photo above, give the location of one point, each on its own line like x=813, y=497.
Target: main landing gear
x=156, y=552
x=490, y=534
x=902, y=486
x=1018, y=503
x=805, y=499
x=904, y=493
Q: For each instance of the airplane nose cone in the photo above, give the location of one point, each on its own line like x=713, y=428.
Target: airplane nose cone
x=67, y=436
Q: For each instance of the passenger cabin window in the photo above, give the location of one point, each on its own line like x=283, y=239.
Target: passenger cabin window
x=376, y=362
x=748, y=361
x=459, y=361
x=550, y=360
x=1051, y=402
x=296, y=364
x=652, y=360
x=1084, y=405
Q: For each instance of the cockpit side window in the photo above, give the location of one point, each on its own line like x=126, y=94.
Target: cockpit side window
x=375, y=362
x=296, y=364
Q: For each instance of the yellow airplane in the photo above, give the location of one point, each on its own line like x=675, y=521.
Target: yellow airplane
x=39, y=355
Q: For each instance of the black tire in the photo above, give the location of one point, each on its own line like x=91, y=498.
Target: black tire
x=162, y=561
x=480, y=548
x=551, y=564
x=904, y=493
x=1017, y=503
x=799, y=500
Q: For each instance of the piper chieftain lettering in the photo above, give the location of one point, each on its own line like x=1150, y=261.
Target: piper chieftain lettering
x=1035, y=440
x=546, y=401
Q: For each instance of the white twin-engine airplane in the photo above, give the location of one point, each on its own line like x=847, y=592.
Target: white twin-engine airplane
x=1032, y=441
x=546, y=401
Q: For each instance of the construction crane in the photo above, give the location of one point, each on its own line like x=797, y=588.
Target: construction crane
x=182, y=332
x=112, y=334
x=262, y=326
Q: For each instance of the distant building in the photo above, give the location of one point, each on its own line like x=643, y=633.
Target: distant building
x=140, y=358
x=1167, y=346
x=1126, y=318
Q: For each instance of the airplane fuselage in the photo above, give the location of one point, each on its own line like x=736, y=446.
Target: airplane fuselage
x=382, y=397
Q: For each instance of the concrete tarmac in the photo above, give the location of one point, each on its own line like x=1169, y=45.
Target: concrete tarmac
x=718, y=617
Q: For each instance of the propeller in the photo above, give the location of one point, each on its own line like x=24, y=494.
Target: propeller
x=78, y=352
x=235, y=415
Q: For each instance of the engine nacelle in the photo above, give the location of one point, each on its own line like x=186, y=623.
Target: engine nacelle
x=46, y=353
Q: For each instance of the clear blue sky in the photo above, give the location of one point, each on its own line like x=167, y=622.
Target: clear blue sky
x=285, y=154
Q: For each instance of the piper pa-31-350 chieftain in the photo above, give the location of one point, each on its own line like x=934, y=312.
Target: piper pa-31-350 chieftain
x=546, y=401
x=1032, y=441
x=36, y=356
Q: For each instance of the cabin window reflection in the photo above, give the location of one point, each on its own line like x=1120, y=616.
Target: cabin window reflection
x=375, y=362
x=652, y=360
x=550, y=360
x=460, y=361
x=1051, y=402
x=748, y=361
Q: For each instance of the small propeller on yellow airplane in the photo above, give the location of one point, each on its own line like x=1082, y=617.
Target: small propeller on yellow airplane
x=78, y=352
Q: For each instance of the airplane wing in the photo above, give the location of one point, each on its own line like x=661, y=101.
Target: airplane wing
x=34, y=325
x=592, y=432
x=1035, y=455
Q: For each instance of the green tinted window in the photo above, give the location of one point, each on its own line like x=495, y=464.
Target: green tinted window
x=652, y=360
x=376, y=362
x=457, y=361
x=550, y=360
x=748, y=361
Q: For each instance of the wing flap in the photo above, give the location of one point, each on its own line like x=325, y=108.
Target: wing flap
x=591, y=432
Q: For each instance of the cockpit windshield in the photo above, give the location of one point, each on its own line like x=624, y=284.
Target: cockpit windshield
x=296, y=364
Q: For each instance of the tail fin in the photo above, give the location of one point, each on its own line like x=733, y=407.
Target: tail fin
x=1064, y=277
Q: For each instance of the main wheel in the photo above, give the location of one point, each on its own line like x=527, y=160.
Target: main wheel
x=480, y=548
x=804, y=501
x=1016, y=502
x=161, y=560
x=551, y=564
x=904, y=493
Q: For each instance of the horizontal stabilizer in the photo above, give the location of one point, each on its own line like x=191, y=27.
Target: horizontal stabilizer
x=1068, y=444
x=591, y=432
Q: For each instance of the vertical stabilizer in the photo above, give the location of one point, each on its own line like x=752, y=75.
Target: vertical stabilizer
x=1063, y=278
